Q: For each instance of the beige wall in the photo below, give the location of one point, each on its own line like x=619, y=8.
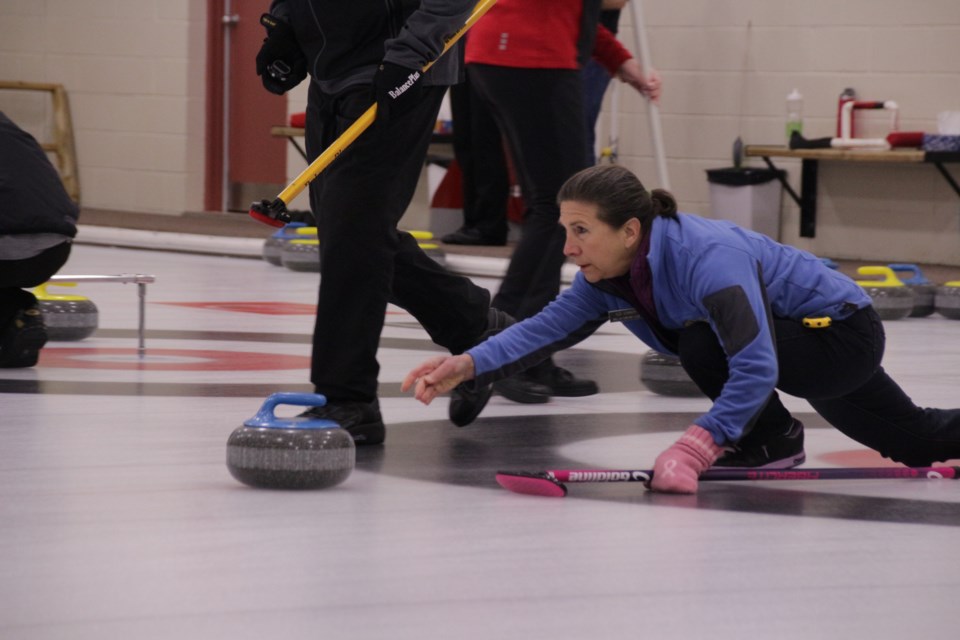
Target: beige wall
x=728, y=66
x=134, y=71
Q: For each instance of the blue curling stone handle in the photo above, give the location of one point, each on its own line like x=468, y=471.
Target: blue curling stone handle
x=916, y=278
x=265, y=417
x=288, y=229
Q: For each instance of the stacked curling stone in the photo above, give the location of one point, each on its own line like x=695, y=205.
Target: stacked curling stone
x=302, y=252
x=270, y=452
x=664, y=375
x=947, y=300
x=924, y=291
x=273, y=246
x=432, y=249
x=892, y=299
x=66, y=317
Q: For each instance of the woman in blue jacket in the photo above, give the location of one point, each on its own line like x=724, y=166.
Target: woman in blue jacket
x=746, y=316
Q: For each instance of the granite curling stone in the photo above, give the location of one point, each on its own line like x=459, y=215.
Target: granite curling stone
x=301, y=452
x=273, y=246
x=892, y=299
x=302, y=254
x=947, y=301
x=426, y=243
x=66, y=317
x=663, y=374
x=924, y=291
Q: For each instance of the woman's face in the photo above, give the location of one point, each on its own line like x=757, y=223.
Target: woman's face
x=599, y=250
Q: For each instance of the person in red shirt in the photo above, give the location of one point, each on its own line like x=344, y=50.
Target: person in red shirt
x=524, y=59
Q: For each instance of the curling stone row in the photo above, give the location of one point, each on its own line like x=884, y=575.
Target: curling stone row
x=663, y=374
x=924, y=291
x=270, y=452
x=273, y=246
x=947, y=300
x=892, y=299
x=298, y=248
x=66, y=317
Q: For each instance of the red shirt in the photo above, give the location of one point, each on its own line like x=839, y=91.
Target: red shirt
x=538, y=34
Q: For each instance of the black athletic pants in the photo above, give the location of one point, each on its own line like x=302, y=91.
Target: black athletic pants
x=837, y=370
x=478, y=146
x=18, y=275
x=540, y=111
x=364, y=261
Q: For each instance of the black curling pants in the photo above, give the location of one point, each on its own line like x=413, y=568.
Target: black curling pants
x=478, y=146
x=540, y=111
x=364, y=260
x=837, y=370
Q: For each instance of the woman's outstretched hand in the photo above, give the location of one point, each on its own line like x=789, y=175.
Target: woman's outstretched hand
x=438, y=375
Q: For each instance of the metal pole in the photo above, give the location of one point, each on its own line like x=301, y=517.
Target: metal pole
x=653, y=111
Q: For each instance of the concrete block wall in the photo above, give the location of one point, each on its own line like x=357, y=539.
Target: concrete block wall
x=727, y=67
x=134, y=70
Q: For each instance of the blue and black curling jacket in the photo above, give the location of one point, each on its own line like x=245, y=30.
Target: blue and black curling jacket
x=703, y=271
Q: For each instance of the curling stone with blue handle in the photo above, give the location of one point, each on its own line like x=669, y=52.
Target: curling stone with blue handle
x=664, y=375
x=924, y=290
x=273, y=245
x=830, y=264
x=947, y=301
x=301, y=452
x=892, y=299
x=66, y=317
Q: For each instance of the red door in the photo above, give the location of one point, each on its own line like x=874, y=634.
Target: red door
x=244, y=162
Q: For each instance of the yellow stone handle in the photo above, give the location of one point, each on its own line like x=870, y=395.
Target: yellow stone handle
x=889, y=278
x=42, y=294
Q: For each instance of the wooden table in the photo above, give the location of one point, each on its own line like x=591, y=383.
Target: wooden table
x=809, y=167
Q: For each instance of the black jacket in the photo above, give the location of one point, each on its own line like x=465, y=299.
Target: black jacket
x=344, y=42
x=32, y=197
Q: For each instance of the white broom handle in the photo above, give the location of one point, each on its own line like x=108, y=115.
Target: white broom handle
x=653, y=111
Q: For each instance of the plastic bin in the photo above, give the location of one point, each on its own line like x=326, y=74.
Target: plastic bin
x=747, y=196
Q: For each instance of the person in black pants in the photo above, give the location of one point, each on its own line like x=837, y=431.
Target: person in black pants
x=359, y=53
x=478, y=149
x=524, y=60
x=38, y=222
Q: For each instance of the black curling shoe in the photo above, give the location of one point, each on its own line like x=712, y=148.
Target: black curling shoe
x=467, y=400
x=362, y=420
x=537, y=384
x=784, y=451
x=22, y=338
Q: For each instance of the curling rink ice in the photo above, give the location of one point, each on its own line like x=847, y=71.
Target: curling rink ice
x=119, y=519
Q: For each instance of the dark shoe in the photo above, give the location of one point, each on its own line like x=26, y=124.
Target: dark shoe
x=362, y=420
x=563, y=383
x=783, y=452
x=521, y=388
x=472, y=236
x=466, y=400
x=22, y=339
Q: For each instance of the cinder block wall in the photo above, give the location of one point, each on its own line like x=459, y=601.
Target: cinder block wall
x=134, y=71
x=728, y=66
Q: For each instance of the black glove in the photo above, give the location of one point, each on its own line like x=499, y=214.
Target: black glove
x=281, y=64
x=398, y=89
